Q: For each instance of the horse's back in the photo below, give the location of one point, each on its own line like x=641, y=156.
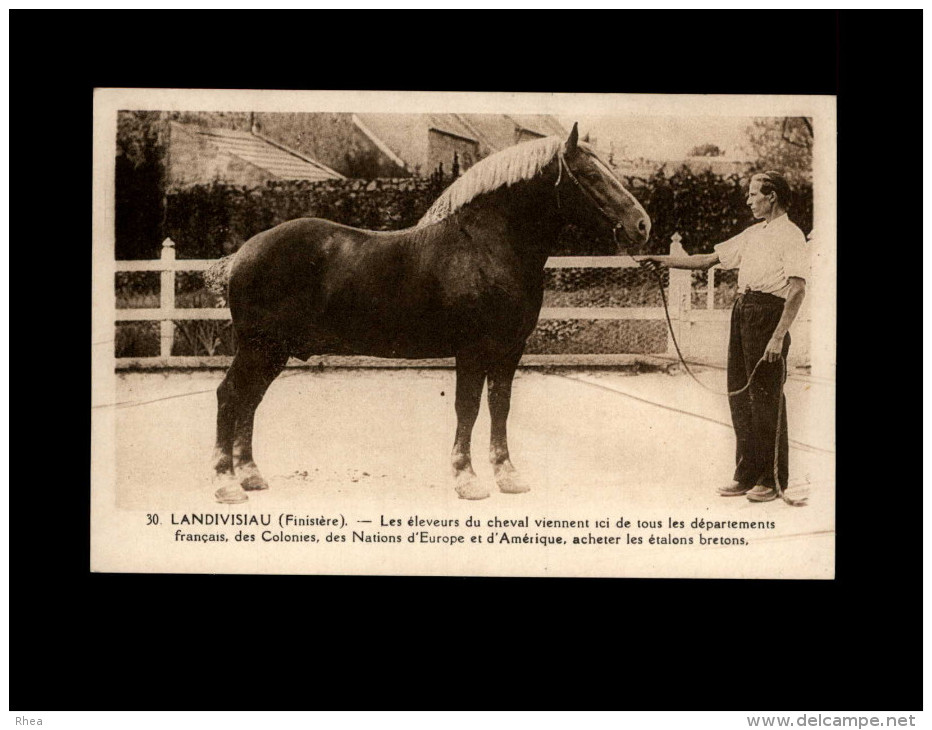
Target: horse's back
x=289, y=243
x=322, y=287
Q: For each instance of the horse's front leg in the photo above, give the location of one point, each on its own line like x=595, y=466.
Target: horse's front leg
x=470, y=375
x=501, y=375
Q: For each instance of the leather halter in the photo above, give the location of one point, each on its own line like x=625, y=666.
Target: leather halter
x=561, y=166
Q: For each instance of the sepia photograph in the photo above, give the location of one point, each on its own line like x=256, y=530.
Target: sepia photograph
x=464, y=334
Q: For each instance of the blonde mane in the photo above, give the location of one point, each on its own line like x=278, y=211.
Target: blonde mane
x=510, y=166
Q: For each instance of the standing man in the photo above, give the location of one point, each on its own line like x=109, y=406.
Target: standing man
x=772, y=259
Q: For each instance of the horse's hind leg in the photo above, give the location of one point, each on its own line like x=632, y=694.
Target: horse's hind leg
x=238, y=396
x=230, y=492
x=470, y=376
x=501, y=375
x=258, y=368
x=226, y=421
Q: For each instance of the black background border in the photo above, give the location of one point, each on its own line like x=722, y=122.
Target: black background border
x=90, y=641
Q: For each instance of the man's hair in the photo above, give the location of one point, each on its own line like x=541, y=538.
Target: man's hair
x=774, y=182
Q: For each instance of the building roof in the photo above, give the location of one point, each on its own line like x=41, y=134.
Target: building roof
x=405, y=138
x=542, y=124
x=450, y=124
x=270, y=157
x=498, y=131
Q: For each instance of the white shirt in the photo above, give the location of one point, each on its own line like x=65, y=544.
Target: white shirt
x=766, y=256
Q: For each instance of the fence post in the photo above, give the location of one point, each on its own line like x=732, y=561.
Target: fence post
x=167, y=298
x=678, y=297
x=710, y=283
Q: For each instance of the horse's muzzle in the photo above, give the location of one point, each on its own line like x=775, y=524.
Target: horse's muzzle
x=622, y=244
x=615, y=230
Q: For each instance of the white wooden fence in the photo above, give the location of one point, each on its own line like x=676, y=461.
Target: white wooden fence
x=701, y=332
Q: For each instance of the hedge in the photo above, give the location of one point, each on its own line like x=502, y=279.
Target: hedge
x=208, y=221
x=705, y=208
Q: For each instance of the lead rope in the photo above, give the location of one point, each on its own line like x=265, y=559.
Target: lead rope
x=556, y=185
x=776, y=440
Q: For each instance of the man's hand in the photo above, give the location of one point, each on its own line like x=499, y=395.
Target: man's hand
x=648, y=263
x=774, y=349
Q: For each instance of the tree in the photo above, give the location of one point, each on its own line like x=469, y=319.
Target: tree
x=783, y=144
x=140, y=183
x=706, y=150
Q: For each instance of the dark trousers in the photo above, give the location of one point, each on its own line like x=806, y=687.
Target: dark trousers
x=754, y=412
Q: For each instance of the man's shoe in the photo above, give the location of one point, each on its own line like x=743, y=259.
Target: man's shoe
x=735, y=489
x=760, y=493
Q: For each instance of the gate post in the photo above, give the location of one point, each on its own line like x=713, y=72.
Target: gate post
x=167, y=298
x=678, y=299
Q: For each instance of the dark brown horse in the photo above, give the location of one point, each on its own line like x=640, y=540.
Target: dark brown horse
x=466, y=282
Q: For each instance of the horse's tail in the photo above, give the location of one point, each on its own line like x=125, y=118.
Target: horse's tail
x=217, y=276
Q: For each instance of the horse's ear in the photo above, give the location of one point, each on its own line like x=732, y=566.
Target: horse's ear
x=573, y=139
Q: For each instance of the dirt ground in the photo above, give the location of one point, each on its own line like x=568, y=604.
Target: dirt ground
x=589, y=442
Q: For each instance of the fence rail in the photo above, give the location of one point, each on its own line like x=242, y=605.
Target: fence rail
x=679, y=291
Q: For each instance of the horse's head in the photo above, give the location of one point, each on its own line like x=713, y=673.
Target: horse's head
x=592, y=195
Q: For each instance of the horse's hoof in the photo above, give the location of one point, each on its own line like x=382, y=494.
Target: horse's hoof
x=471, y=488
x=231, y=494
x=509, y=479
x=253, y=483
x=512, y=483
